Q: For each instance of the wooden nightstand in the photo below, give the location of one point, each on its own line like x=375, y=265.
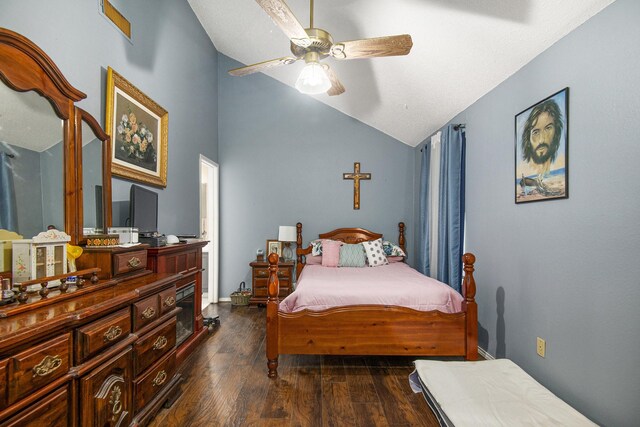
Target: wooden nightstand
x=260, y=279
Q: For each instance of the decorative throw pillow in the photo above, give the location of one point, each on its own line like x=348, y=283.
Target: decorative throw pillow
x=375, y=253
x=391, y=249
x=352, y=256
x=393, y=259
x=313, y=260
x=316, y=247
x=330, y=253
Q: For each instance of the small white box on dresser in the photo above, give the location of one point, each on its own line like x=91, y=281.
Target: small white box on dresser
x=44, y=255
x=126, y=234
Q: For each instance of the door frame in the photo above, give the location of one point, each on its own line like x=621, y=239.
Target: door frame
x=212, y=248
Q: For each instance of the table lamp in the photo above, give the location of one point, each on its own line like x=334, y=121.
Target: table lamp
x=287, y=234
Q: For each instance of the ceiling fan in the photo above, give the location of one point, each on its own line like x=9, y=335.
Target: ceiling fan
x=315, y=44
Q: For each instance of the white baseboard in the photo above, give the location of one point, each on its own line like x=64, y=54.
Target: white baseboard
x=484, y=354
x=224, y=299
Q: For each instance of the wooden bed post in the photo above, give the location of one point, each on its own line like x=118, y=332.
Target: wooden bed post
x=401, y=241
x=470, y=306
x=300, y=264
x=273, y=289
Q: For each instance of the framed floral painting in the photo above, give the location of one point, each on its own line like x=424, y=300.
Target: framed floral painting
x=139, y=132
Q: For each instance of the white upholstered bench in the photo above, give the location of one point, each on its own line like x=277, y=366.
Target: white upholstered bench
x=490, y=393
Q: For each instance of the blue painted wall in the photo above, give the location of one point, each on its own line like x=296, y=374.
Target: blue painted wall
x=564, y=270
x=282, y=156
x=170, y=58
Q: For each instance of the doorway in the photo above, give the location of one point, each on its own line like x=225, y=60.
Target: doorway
x=209, y=228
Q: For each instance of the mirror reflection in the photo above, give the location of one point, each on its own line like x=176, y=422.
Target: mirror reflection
x=92, y=207
x=31, y=163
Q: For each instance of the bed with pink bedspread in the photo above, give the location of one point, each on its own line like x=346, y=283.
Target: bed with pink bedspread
x=321, y=288
x=383, y=310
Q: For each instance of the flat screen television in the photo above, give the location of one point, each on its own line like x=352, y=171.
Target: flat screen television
x=143, y=209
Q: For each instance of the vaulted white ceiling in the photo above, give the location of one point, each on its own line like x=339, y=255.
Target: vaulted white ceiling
x=461, y=50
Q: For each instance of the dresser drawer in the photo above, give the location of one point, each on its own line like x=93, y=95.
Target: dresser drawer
x=260, y=288
x=145, y=312
x=129, y=261
x=167, y=300
x=38, y=366
x=154, y=345
x=96, y=336
x=51, y=411
x=263, y=273
x=147, y=386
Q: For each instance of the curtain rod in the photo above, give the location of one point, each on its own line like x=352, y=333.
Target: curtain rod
x=455, y=127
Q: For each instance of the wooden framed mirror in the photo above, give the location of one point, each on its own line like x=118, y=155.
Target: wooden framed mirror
x=94, y=172
x=41, y=130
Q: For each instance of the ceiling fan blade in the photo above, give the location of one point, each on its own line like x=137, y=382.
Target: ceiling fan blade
x=369, y=48
x=286, y=20
x=262, y=66
x=336, y=87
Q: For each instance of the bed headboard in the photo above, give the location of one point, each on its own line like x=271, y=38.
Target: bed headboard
x=351, y=235
x=346, y=235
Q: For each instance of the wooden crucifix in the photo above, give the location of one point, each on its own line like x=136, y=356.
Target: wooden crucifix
x=356, y=176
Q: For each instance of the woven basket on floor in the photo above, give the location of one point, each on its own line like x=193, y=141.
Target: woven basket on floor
x=238, y=298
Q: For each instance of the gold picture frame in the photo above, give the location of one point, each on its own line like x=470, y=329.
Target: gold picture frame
x=138, y=128
x=274, y=246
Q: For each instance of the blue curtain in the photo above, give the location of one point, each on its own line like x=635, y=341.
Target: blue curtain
x=450, y=208
x=8, y=214
x=423, y=242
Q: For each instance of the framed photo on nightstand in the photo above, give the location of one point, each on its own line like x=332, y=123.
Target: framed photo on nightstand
x=274, y=246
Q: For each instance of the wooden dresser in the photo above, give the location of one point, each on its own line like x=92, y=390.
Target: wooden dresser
x=260, y=279
x=103, y=358
x=105, y=354
x=184, y=259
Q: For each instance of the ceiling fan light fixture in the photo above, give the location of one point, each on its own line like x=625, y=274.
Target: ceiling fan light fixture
x=313, y=79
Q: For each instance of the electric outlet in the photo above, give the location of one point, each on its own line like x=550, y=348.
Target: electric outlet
x=541, y=346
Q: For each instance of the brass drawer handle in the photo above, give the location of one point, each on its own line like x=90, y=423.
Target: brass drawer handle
x=160, y=343
x=149, y=312
x=282, y=274
x=169, y=301
x=112, y=333
x=47, y=366
x=262, y=273
x=134, y=262
x=160, y=378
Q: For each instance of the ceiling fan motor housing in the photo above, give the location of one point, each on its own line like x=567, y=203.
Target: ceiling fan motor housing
x=321, y=42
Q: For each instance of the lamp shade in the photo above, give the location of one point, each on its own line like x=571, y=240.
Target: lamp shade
x=287, y=233
x=313, y=79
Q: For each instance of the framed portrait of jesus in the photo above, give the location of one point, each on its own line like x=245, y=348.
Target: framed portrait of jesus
x=541, y=150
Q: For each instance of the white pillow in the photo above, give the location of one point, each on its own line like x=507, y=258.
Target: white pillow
x=375, y=253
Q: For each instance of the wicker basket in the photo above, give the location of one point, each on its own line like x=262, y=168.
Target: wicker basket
x=241, y=296
x=238, y=298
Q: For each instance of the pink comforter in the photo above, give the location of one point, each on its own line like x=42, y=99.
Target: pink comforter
x=321, y=288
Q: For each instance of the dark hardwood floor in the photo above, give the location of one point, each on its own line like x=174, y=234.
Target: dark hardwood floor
x=226, y=384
